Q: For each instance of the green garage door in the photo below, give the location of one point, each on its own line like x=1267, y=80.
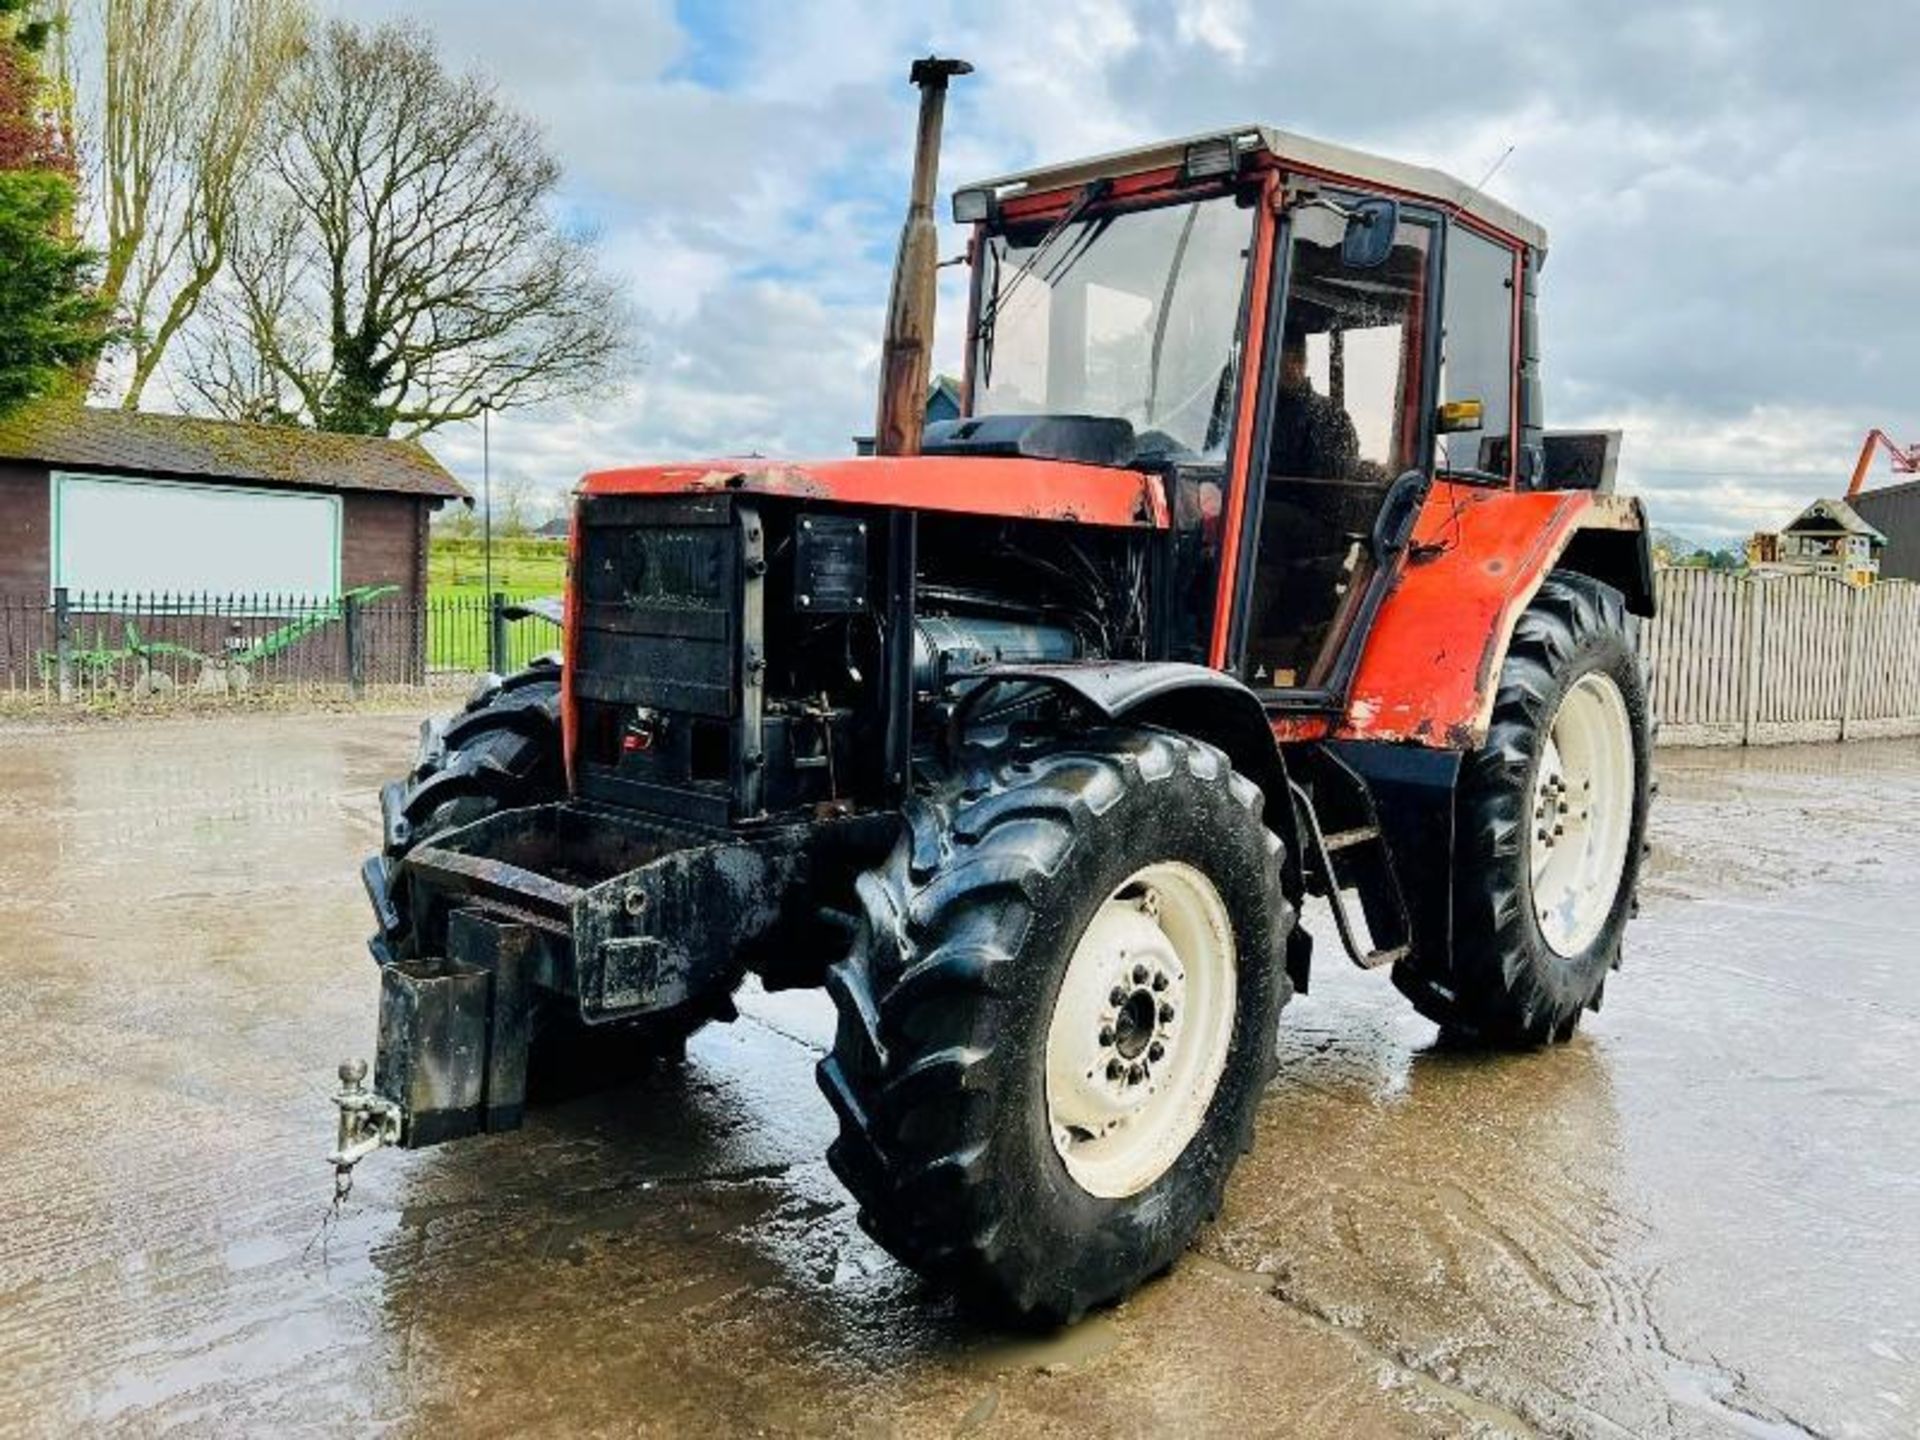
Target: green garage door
x=147, y=537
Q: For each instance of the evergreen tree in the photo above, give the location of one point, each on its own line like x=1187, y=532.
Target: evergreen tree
x=51, y=322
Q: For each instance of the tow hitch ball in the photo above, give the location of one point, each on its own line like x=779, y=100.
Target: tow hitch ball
x=367, y=1121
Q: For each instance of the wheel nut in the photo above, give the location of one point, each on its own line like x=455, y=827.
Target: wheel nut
x=1106, y=1035
x=1159, y=981
x=1116, y=996
x=1166, y=1013
x=1156, y=1050
x=1139, y=974
x=1115, y=1070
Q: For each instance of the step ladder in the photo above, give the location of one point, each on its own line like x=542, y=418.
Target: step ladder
x=1345, y=851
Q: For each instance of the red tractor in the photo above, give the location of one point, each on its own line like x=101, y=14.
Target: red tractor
x=1249, y=573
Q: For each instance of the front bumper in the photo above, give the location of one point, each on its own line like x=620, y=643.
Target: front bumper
x=573, y=908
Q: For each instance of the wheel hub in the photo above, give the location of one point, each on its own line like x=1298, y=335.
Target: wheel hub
x=1126, y=1083
x=1133, y=1027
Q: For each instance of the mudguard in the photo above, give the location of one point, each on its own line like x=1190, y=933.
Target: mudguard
x=1432, y=661
x=1202, y=703
x=1206, y=704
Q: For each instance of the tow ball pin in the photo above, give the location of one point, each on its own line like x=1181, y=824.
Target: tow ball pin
x=367, y=1121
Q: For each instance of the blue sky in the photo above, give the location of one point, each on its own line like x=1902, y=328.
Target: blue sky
x=1731, y=279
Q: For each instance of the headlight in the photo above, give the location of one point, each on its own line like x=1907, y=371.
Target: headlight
x=972, y=206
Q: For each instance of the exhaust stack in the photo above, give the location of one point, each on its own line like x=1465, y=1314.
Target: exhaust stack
x=907, y=355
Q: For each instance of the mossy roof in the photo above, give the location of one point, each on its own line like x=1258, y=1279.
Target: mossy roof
x=142, y=443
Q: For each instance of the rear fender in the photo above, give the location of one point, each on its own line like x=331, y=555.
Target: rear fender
x=1432, y=661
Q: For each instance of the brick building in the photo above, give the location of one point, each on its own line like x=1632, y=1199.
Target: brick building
x=106, y=500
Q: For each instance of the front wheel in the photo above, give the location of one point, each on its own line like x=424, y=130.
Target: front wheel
x=1551, y=820
x=1056, y=1019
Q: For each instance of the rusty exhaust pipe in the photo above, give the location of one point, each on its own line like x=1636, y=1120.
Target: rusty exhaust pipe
x=906, y=358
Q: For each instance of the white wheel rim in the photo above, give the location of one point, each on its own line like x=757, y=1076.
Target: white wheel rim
x=1582, y=814
x=1141, y=1029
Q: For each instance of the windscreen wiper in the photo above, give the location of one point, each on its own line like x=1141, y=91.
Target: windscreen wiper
x=983, y=330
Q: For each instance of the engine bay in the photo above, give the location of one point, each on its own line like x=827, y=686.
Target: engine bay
x=741, y=657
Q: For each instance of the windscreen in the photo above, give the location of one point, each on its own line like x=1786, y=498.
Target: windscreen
x=1134, y=315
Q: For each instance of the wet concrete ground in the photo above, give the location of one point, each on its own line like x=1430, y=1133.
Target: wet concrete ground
x=1701, y=1218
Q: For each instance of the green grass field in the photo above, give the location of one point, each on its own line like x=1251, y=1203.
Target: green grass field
x=521, y=567
x=457, y=621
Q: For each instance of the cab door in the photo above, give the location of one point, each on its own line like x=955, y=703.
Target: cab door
x=1386, y=368
x=1345, y=414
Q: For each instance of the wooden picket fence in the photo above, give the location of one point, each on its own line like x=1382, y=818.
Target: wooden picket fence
x=1767, y=659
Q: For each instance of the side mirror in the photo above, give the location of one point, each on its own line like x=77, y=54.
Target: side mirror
x=1457, y=415
x=1369, y=238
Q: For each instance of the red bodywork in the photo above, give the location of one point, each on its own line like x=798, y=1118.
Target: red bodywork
x=1017, y=489
x=1427, y=670
x=1477, y=555
x=1429, y=665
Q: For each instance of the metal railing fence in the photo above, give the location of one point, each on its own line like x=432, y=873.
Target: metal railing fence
x=78, y=647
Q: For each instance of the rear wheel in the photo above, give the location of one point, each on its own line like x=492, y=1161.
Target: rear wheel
x=1551, y=819
x=1056, y=1019
x=501, y=752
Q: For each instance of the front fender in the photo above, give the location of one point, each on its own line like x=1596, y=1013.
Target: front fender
x=1194, y=700
x=1432, y=661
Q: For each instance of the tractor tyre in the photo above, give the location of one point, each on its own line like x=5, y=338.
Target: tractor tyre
x=1056, y=1019
x=501, y=752
x=1551, y=818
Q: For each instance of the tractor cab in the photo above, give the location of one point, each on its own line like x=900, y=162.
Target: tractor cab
x=1302, y=336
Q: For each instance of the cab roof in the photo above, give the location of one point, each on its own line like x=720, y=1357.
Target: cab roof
x=1301, y=151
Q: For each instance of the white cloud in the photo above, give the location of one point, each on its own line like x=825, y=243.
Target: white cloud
x=1731, y=279
x=1224, y=26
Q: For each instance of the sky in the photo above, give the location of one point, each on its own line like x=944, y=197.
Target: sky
x=1728, y=187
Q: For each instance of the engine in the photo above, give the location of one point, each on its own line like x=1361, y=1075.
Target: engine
x=743, y=657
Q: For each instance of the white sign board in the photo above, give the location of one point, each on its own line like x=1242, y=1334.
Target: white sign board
x=151, y=537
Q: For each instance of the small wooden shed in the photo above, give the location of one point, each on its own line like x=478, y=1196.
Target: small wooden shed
x=99, y=500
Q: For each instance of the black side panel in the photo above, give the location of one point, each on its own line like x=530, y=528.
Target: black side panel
x=657, y=612
x=1620, y=558
x=1413, y=796
x=668, y=669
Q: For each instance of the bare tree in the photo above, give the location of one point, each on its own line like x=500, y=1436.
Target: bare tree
x=186, y=90
x=512, y=498
x=401, y=261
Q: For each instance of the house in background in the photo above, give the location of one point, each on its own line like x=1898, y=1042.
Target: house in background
x=943, y=403
x=111, y=501
x=1826, y=538
x=1894, y=510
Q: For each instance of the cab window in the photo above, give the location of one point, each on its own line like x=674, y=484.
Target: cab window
x=1476, y=350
